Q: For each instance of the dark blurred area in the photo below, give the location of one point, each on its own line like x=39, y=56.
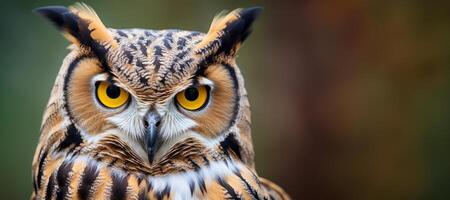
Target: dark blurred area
x=350, y=99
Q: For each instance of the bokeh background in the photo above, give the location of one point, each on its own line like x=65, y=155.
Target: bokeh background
x=350, y=98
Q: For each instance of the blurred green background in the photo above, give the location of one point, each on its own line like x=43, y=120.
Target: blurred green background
x=350, y=99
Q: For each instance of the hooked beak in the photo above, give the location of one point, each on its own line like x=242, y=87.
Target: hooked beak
x=152, y=120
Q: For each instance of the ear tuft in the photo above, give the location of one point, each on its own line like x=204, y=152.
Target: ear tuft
x=227, y=32
x=249, y=16
x=53, y=13
x=79, y=24
x=238, y=30
x=97, y=29
x=58, y=16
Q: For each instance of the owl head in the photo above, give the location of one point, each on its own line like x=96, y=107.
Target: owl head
x=153, y=88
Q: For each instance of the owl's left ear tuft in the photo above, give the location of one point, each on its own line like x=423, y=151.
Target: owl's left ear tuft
x=228, y=32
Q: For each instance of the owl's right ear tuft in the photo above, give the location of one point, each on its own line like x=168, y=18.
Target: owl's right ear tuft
x=79, y=24
x=54, y=13
x=63, y=19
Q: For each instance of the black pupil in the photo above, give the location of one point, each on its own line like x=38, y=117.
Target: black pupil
x=191, y=94
x=113, y=91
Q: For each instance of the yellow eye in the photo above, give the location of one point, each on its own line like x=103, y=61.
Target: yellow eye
x=193, y=98
x=110, y=95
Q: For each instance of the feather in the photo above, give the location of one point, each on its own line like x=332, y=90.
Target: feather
x=79, y=24
x=97, y=29
x=227, y=32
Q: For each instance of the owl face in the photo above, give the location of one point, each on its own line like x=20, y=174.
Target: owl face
x=151, y=88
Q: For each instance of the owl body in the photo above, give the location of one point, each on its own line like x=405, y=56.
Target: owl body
x=148, y=114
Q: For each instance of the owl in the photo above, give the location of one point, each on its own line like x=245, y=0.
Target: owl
x=148, y=114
